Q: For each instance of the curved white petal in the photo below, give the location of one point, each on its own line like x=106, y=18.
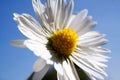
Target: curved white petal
x=92, y=39
x=34, y=25
x=95, y=74
x=91, y=50
x=85, y=61
x=97, y=43
x=31, y=22
x=48, y=17
x=70, y=21
x=94, y=52
x=90, y=34
x=62, y=77
x=50, y=6
x=29, y=27
x=100, y=50
x=58, y=13
x=39, y=9
x=67, y=13
x=93, y=58
x=58, y=68
x=49, y=10
x=38, y=48
x=59, y=77
x=86, y=27
x=39, y=65
x=68, y=70
x=74, y=69
x=78, y=19
x=18, y=43
x=26, y=20
x=91, y=77
x=40, y=74
x=31, y=35
x=79, y=22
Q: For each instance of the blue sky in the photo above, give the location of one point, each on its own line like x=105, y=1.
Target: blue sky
x=17, y=63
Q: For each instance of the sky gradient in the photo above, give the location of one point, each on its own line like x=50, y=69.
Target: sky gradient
x=17, y=63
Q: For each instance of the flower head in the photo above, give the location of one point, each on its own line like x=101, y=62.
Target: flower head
x=62, y=39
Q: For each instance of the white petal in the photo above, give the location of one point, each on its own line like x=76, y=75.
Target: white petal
x=49, y=61
x=73, y=69
x=70, y=20
x=78, y=19
x=39, y=9
x=93, y=43
x=90, y=34
x=59, y=77
x=91, y=77
x=100, y=55
x=39, y=75
x=67, y=13
x=49, y=12
x=58, y=68
x=95, y=74
x=29, y=27
x=99, y=43
x=31, y=22
x=89, y=51
x=51, y=5
x=16, y=15
x=28, y=33
x=38, y=48
x=32, y=35
x=18, y=43
x=27, y=21
x=86, y=27
x=100, y=50
x=99, y=58
x=94, y=53
x=34, y=25
x=91, y=56
x=62, y=77
x=86, y=62
x=58, y=13
x=91, y=39
x=68, y=70
x=39, y=65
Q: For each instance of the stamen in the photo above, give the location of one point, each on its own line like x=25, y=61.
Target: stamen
x=64, y=41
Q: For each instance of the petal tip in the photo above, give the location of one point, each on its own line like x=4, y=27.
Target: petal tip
x=15, y=14
x=85, y=10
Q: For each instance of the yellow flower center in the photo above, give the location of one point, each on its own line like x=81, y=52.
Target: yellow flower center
x=64, y=41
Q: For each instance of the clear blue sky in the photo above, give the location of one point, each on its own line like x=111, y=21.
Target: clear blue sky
x=17, y=63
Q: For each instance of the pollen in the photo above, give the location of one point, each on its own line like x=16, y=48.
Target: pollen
x=64, y=41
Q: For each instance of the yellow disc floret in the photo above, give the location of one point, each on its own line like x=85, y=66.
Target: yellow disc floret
x=64, y=41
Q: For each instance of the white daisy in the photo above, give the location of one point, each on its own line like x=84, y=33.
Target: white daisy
x=62, y=39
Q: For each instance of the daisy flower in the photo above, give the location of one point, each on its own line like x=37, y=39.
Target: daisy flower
x=62, y=39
